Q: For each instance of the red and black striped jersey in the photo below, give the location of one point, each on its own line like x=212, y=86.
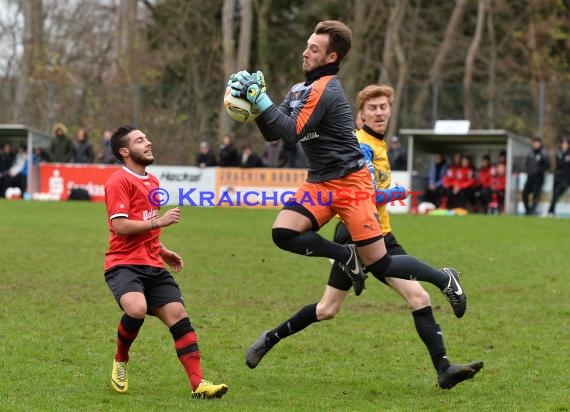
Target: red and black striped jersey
x=127, y=196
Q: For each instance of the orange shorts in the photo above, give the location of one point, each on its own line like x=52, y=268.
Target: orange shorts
x=351, y=197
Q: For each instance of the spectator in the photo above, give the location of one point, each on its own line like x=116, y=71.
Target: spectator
x=249, y=158
x=561, y=174
x=536, y=164
x=18, y=173
x=7, y=159
x=40, y=156
x=82, y=148
x=460, y=185
x=61, y=146
x=436, y=174
x=106, y=153
x=206, y=157
x=229, y=156
x=497, y=203
x=483, y=183
x=397, y=155
x=273, y=154
x=502, y=158
x=449, y=179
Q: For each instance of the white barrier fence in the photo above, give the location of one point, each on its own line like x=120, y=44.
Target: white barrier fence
x=193, y=186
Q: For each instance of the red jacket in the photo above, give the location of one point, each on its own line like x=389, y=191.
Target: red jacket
x=485, y=176
x=498, y=183
x=464, y=178
x=450, y=176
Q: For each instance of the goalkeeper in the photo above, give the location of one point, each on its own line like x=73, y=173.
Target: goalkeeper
x=374, y=104
x=316, y=113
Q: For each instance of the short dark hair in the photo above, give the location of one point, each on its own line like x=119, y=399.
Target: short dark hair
x=119, y=140
x=340, y=37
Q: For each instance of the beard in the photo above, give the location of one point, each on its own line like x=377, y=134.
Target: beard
x=140, y=159
x=314, y=65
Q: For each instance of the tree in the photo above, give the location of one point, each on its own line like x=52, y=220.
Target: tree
x=244, y=16
x=393, y=49
x=435, y=71
x=31, y=58
x=468, y=105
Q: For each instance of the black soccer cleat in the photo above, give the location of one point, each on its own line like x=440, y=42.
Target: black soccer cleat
x=455, y=293
x=257, y=351
x=355, y=270
x=458, y=373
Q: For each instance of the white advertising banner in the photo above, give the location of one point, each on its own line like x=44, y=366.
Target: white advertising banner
x=184, y=185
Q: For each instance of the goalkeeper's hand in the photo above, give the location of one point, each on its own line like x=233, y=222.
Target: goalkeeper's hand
x=250, y=87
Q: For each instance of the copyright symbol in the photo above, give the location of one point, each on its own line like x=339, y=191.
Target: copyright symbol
x=158, y=197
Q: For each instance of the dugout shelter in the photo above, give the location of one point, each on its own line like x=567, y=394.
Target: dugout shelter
x=17, y=134
x=422, y=144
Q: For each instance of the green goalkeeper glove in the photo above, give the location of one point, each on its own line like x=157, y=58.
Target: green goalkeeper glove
x=251, y=87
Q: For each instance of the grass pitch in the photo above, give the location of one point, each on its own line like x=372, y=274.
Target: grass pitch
x=58, y=319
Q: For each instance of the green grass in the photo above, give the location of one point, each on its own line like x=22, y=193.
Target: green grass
x=58, y=319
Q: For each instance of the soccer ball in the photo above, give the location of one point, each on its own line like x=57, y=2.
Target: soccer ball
x=239, y=109
x=425, y=207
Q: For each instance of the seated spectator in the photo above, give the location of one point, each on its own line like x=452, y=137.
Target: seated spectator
x=273, y=154
x=449, y=179
x=249, y=158
x=436, y=174
x=229, y=156
x=18, y=173
x=460, y=185
x=82, y=148
x=206, y=157
x=7, y=159
x=397, y=155
x=498, y=182
x=502, y=158
x=40, y=155
x=482, y=188
x=61, y=150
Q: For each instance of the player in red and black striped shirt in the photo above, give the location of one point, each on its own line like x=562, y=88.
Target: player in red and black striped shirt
x=134, y=264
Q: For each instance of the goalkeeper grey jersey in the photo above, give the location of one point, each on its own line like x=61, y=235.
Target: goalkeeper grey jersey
x=319, y=116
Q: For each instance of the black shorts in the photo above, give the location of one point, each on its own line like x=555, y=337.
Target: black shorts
x=157, y=284
x=338, y=278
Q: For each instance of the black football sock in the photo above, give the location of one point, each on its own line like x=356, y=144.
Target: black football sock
x=309, y=243
x=294, y=324
x=408, y=267
x=431, y=335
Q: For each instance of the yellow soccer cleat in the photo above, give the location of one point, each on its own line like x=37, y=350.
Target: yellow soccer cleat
x=119, y=377
x=209, y=390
